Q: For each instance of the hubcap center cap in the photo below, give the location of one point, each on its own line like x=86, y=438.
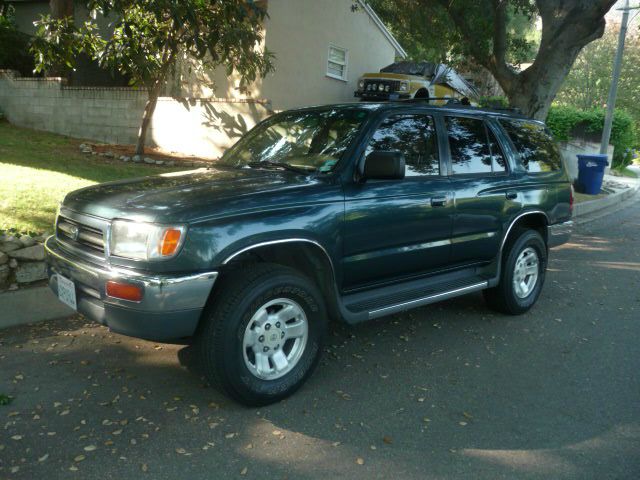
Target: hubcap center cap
x=273, y=337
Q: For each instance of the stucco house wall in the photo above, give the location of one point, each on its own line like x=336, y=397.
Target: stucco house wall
x=299, y=32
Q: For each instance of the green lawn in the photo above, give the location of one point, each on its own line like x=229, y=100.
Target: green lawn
x=626, y=172
x=37, y=169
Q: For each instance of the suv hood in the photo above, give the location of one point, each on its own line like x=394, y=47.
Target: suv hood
x=182, y=196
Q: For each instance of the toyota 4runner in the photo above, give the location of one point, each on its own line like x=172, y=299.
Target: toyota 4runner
x=350, y=212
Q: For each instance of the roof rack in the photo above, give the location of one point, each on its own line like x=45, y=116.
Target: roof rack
x=449, y=100
x=457, y=102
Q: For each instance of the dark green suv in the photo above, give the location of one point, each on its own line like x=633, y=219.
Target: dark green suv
x=350, y=212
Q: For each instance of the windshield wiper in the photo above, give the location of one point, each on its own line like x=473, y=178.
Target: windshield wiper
x=285, y=166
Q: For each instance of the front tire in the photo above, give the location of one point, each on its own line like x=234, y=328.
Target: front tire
x=262, y=335
x=522, y=275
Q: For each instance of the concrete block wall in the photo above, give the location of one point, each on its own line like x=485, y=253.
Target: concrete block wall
x=580, y=146
x=202, y=127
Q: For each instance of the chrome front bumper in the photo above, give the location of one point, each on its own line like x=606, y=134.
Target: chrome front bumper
x=559, y=233
x=170, y=308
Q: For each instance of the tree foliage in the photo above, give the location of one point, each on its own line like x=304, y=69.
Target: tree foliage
x=427, y=32
x=587, y=85
x=487, y=32
x=150, y=35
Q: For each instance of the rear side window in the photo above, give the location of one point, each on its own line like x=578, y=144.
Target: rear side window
x=469, y=146
x=537, y=149
x=499, y=159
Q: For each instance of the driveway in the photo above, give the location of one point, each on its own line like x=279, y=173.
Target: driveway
x=450, y=391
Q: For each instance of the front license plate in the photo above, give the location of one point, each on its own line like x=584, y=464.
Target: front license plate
x=67, y=292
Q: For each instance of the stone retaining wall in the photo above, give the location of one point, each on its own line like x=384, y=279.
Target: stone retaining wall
x=201, y=127
x=22, y=261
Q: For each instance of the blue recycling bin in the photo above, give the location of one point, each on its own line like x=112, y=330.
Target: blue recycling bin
x=590, y=172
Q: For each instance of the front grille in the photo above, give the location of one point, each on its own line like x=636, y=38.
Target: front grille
x=373, y=86
x=79, y=235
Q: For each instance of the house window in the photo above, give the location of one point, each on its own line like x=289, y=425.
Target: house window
x=337, y=62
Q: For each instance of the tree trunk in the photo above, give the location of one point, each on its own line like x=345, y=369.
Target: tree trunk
x=61, y=8
x=567, y=26
x=154, y=92
x=533, y=90
x=149, y=108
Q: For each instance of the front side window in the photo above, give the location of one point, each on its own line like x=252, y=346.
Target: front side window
x=415, y=137
x=311, y=140
x=469, y=146
x=337, y=62
x=537, y=149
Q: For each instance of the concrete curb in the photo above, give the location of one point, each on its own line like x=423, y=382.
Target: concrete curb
x=30, y=305
x=38, y=304
x=586, y=208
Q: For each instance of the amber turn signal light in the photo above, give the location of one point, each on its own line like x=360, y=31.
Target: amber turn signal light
x=170, y=242
x=124, y=291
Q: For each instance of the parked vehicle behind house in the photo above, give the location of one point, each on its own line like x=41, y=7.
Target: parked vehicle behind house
x=408, y=80
x=348, y=212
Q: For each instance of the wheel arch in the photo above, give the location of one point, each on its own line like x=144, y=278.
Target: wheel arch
x=422, y=92
x=307, y=256
x=533, y=219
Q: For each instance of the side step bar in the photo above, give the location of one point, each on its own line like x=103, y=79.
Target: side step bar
x=386, y=300
x=381, y=312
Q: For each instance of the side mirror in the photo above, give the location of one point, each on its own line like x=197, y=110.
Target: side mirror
x=384, y=165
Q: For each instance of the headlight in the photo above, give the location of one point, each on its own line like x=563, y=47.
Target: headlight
x=145, y=241
x=387, y=88
x=361, y=84
x=404, y=87
x=381, y=87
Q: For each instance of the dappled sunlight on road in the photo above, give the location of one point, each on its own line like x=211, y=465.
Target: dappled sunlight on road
x=586, y=244
x=634, y=266
x=566, y=460
x=545, y=462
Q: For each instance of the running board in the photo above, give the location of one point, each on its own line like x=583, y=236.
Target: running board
x=400, y=307
x=381, y=301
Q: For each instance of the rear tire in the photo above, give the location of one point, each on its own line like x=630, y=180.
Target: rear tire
x=522, y=275
x=262, y=334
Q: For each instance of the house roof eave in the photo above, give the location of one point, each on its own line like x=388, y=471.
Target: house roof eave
x=385, y=31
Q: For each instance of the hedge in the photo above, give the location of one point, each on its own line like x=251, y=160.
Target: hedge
x=562, y=120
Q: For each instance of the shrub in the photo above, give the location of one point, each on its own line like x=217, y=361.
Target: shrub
x=563, y=121
x=493, y=102
x=14, y=47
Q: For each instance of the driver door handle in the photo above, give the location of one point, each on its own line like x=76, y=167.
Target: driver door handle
x=439, y=201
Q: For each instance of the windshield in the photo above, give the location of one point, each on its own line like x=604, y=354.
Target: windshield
x=311, y=140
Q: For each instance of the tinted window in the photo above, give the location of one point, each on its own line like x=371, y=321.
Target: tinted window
x=309, y=139
x=415, y=137
x=499, y=160
x=468, y=146
x=538, y=151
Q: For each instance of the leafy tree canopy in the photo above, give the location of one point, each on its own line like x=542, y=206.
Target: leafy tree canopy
x=587, y=85
x=431, y=35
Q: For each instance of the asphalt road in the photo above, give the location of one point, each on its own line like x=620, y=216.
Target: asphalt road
x=450, y=391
